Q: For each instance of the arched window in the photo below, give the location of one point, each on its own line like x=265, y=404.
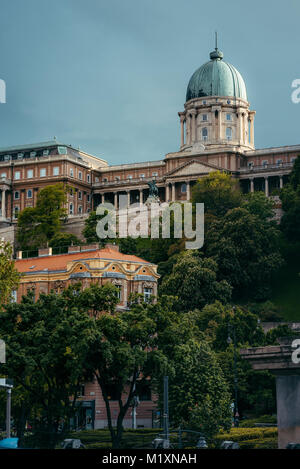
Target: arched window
x=183, y=188
x=29, y=194
x=229, y=133
x=16, y=212
x=204, y=134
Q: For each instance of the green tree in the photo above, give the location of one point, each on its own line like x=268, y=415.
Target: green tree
x=194, y=281
x=126, y=349
x=38, y=225
x=218, y=191
x=9, y=276
x=47, y=343
x=198, y=393
x=258, y=204
x=246, y=249
x=61, y=241
x=290, y=197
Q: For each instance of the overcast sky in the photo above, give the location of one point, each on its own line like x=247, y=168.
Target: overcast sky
x=110, y=75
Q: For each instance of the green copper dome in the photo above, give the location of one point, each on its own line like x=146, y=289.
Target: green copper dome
x=216, y=78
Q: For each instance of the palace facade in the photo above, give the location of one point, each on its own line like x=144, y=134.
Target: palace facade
x=216, y=133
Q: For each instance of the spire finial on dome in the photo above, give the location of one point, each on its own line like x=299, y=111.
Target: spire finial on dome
x=216, y=54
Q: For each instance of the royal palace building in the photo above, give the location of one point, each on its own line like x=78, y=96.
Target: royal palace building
x=216, y=133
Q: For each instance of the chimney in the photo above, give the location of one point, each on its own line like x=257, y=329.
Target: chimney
x=90, y=247
x=72, y=249
x=44, y=252
x=19, y=254
x=112, y=247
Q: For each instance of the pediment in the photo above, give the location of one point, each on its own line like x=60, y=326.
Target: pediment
x=193, y=168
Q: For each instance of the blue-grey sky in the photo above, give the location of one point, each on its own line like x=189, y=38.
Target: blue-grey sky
x=111, y=75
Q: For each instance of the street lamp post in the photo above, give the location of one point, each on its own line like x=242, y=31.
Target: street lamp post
x=232, y=331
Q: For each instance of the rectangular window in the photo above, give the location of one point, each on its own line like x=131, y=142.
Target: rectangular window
x=71, y=172
x=43, y=172
x=119, y=292
x=29, y=194
x=17, y=195
x=29, y=173
x=80, y=175
x=147, y=294
x=56, y=171
x=279, y=162
x=17, y=175
x=88, y=197
x=228, y=117
x=79, y=195
x=204, y=117
x=3, y=175
x=71, y=209
x=88, y=178
x=143, y=391
x=14, y=296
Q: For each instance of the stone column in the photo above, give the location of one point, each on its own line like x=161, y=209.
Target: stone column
x=167, y=192
x=3, y=213
x=252, y=185
x=173, y=192
x=116, y=200
x=266, y=186
x=128, y=198
x=193, y=112
x=182, y=118
x=240, y=121
x=102, y=198
x=141, y=196
x=280, y=182
x=252, y=129
x=188, y=194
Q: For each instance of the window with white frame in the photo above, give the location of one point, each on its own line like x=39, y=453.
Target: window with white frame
x=228, y=117
x=16, y=212
x=71, y=209
x=71, y=172
x=79, y=195
x=229, y=133
x=17, y=175
x=17, y=195
x=204, y=117
x=3, y=175
x=14, y=296
x=80, y=175
x=147, y=294
x=43, y=172
x=56, y=171
x=29, y=173
x=154, y=174
x=119, y=292
x=88, y=178
x=204, y=133
x=29, y=194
